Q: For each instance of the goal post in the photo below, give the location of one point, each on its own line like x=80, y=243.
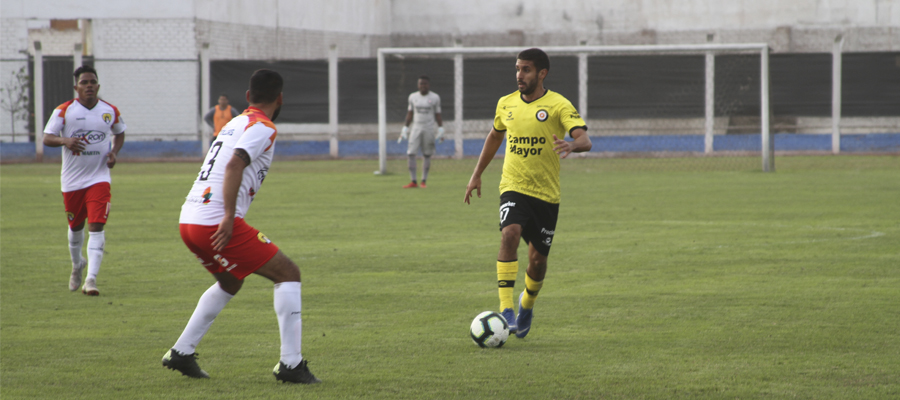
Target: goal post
x=709, y=51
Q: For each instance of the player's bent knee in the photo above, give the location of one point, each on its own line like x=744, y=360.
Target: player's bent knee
x=280, y=269
x=229, y=283
x=511, y=232
x=511, y=235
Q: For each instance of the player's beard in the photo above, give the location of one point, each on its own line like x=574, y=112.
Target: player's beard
x=275, y=113
x=529, y=87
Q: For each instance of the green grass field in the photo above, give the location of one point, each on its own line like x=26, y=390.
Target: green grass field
x=663, y=283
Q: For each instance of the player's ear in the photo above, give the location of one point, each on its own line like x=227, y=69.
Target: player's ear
x=248, y=97
x=280, y=99
x=543, y=73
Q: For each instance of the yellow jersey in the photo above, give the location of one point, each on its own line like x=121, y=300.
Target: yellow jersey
x=531, y=166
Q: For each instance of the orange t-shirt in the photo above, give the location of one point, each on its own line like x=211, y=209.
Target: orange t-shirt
x=221, y=118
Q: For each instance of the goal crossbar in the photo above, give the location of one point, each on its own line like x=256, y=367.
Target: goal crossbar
x=582, y=52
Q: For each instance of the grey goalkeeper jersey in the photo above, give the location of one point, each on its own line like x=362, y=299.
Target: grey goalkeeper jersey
x=424, y=108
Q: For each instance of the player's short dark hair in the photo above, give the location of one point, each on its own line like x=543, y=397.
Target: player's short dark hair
x=84, y=69
x=425, y=77
x=537, y=56
x=224, y=95
x=265, y=86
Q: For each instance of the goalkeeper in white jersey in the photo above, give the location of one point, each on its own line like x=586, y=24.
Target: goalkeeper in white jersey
x=424, y=112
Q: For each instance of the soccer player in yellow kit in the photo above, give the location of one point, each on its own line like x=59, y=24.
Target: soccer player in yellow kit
x=533, y=119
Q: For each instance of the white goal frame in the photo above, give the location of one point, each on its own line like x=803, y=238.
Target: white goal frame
x=582, y=52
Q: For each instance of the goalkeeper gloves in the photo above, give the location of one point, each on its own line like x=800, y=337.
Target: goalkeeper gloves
x=403, y=134
x=440, y=135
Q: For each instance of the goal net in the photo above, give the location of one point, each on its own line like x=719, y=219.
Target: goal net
x=651, y=101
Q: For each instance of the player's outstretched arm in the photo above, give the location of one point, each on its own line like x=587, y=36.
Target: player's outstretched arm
x=231, y=184
x=491, y=145
x=581, y=143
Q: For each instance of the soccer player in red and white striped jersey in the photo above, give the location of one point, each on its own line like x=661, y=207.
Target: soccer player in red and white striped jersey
x=92, y=133
x=213, y=228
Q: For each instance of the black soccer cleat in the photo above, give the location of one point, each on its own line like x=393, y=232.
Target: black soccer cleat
x=187, y=365
x=299, y=374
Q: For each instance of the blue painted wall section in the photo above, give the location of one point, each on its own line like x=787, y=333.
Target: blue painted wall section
x=869, y=143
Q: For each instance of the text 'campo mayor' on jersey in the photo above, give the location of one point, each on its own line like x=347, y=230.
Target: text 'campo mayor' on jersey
x=531, y=166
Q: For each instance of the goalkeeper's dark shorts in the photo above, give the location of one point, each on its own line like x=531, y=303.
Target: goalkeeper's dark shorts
x=537, y=218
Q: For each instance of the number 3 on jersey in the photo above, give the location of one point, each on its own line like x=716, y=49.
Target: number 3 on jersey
x=204, y=173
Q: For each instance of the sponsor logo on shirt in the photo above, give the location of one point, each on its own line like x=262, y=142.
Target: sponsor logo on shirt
x=226, y=133
x=529, y=141
x=207, y=196
x=89, y=137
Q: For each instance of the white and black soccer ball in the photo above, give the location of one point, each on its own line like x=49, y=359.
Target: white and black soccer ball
x=489, y=329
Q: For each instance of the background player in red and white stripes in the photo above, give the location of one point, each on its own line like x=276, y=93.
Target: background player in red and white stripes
x=92, y=132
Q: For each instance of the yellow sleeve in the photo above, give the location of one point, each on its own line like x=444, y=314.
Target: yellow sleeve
x=570, y=119
x=498, y=118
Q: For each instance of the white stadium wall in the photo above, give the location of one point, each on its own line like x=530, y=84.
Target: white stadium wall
x=144, y=67
x=147, y=53
x=796, y=26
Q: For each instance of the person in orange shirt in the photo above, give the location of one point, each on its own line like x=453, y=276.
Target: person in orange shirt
x=219, y=115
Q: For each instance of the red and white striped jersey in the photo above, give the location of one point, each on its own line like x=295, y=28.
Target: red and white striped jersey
x=252, y=131
x=96, y=127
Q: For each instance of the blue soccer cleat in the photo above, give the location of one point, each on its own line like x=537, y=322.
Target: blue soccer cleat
x=510, y=317
x=523, y=322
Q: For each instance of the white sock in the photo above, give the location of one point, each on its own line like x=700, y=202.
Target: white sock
x=96, y=243
x=411, y=163
x=210, y=305
x=76, y=241
x=290, y=323
x=426, y=165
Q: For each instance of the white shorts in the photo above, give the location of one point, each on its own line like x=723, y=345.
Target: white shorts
x=421, y=138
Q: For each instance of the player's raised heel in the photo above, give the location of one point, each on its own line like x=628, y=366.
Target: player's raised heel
x=510, y=317
x=523, y=322
x=90, y=287
x=187, y=365
x=299, y=374
x=75, y=279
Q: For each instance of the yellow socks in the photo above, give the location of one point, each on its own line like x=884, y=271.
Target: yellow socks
x=506, y=280
x=532, y=288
